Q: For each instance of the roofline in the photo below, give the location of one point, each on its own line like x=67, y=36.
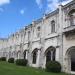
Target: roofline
x=70, y=3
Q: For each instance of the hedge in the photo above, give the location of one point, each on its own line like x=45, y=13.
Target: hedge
x=53, y=66
x=3, y=58
x=11, y=60
x=21, y=62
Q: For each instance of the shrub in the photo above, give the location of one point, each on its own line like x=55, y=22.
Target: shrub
x=3, y=59
x=21, y=62
x=53, y=66
x=11, y=60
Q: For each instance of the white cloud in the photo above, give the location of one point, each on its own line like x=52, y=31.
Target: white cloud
x=65, y=2
x=39, y=3
x=22, y=11
x=53, y=4
x=2, y=2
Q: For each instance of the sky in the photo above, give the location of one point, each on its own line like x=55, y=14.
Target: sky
x=16, y=14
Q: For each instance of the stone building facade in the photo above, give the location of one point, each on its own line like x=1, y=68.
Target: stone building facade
x=51, y=37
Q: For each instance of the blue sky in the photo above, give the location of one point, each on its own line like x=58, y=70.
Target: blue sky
x=15, y=14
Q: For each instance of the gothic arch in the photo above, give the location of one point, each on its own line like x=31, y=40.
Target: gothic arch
x=34, y=55
x=71, y=15
x=71, y=11
x=50, y=53
x=69, y=49
x=70, y=59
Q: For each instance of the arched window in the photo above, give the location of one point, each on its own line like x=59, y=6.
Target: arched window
x=50, y=54
x=34, y=56
x=52, y=26
x=72, y=17
x=38, y=31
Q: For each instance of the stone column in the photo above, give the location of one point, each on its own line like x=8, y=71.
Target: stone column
x=51, y=55
x=69, y=64
x=57, y=54
x=60, y=31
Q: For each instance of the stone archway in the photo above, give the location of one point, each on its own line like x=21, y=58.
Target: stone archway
x=70, y=59
x=34, y=55
x=50, y=54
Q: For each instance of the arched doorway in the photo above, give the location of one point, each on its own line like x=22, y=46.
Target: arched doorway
x=50, y=54
x=70, y=55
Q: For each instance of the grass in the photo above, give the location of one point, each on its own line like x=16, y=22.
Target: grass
x=12, y=69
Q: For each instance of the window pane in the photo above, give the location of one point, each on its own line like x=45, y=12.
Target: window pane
x=52, y=26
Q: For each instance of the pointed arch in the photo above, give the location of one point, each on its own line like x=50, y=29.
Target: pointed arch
x=71, y=15
x=70, y=58
x=34, y=55
x=50, y=53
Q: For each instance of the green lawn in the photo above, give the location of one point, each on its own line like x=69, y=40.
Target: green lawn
x=12, y=69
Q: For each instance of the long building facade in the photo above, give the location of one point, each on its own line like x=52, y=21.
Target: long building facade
x=49, y=38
